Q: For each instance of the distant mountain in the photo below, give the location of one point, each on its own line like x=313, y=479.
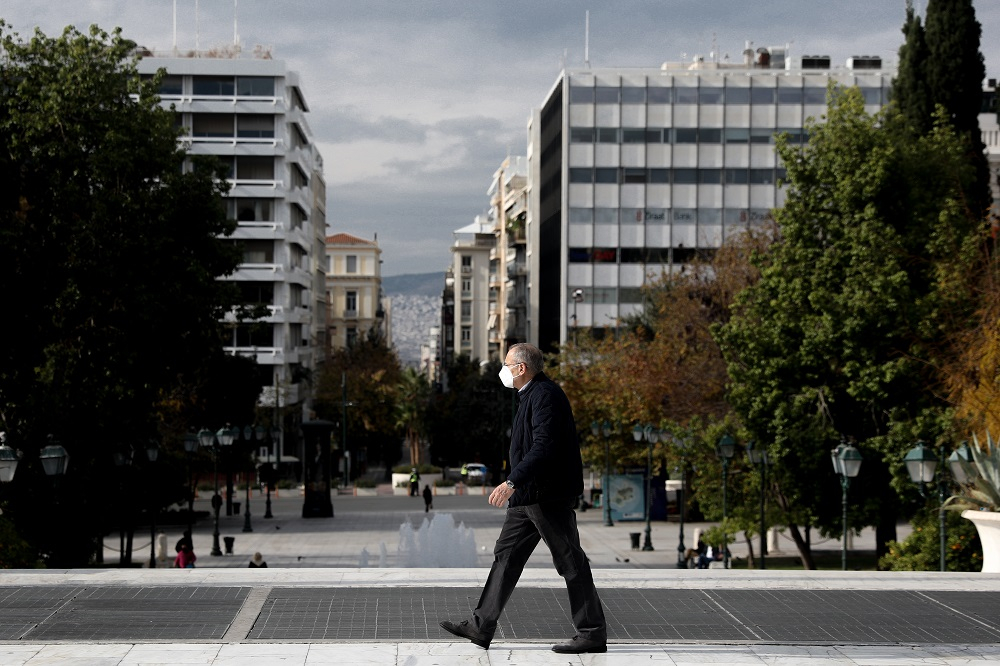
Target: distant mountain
x=416, y=307
x=414, y=284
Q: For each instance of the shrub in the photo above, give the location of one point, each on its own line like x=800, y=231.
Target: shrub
x=364, y=483
x=444, y=483
x=421, y=469
x=15, y=553
x=921, y=550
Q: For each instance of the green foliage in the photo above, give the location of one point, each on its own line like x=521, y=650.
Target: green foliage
x=857, y=297
x=910, y=89
x=363, y=482
x=423, y=468
x=15, y=552
x=920, y=551
x=119, y=241
x=983, y=486
x=444, y=483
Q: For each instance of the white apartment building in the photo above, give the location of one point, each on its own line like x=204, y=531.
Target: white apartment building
x=251, y=113
x=472, y=283
x=354, y=290
x=636, y=171
x=508, y=322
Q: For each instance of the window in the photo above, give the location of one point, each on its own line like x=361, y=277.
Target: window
x=633, y=95
x=257, y=293
x=659, y=95
x=789, y=95
x=581, y=215
x=710, y=135
x=737, y=95
x=581, y=95
x=299, y=177
x=466, y=310
x=814, y=95
x=213, y=85
x=872, y=95
x=171, y=85
x=466, y=334
x=606, y=215
x=685, y=135
x=711, y=95
x=762, y=176
x=607, y=135
x=607, y=94
x=581, y=175
x=466, y=287
x=258, y=251
x=351, y=262
x=298, y=216
x=254, y=168
x=251, y=210
x=581, y=135
x=686, y=95
x=710, y=176
x=212, y=125
x=661, y=176
x=761, y=135
x=466, y=263
x=255, y=126
x=606, y=175
x=736, y=177
x=255, y=86
x=634, y=176
x=351, y=337
x=351, y=304
x=761, y=95
x=634, y=136
x=685, y=176
x=737, y=135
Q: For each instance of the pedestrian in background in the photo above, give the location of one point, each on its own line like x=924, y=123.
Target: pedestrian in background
x=257, y=562
x=428, y=498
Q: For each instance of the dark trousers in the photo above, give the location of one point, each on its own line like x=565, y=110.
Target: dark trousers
x=555, y=524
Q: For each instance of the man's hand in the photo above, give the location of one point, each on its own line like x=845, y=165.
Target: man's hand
x=500, y=495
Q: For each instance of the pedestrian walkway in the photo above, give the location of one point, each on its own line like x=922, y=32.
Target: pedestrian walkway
x=295, y=612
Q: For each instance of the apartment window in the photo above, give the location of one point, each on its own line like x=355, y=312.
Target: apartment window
x=581, y=95
x=606, y=215
x=351, y=336
x=296, y=294
x=762, y=95
x=607, y=94
x=581, y=135
x=605, y=175
x=685, y=176
x=737, y=177
x=761, y=135
x=466, y=310
x=685, y=135
x=258, y=251
x=255, y=86
x=633, y=135
x=255, y=126
x=710, y=176
x=789, y=95
x=212, y=125
x=661, y=176
x=581, y=215
x=254, y=168
x=814, y=95
x=737, y=95
x=351, y=303
x=251, y=210
x=299, y=177
x=466, y=334
x=298, y=137
x=634, y=176
x=298, y=216
x=171, y=85
x=581, y=175
x=607, y=135
x=257, y=293
x=257, y=334
x=710, y=135
x=466, y=287
x=686, y=95
x=351, y=262
x=762, y=176
x=213, y=85
x=711, y=95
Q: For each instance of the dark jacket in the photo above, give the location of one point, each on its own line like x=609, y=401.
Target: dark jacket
x=545, y=461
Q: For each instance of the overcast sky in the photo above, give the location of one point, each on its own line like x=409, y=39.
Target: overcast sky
x=415, y=104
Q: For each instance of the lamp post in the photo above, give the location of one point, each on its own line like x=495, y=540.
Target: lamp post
x=651, y=436
x=846, y=463
x=725, y=449
x=269, y=475
x=577, y=299
x=921, y=463
x=681, y=446
x=152, y=454
x=605, y=430
x=190, y=446
x=249, y=437
x=8, y=460
x=216, y=441
x=758, y=456
x=123, y=461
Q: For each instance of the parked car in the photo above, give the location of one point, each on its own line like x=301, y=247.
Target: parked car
x=477, y=473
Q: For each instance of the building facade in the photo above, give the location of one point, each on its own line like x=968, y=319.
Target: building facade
x=471, y=288
x=508, y=321
x=634, y=172
x=251, y=113
x=356, y=305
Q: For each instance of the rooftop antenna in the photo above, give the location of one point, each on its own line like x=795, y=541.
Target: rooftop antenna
x=586, y=41
x=715, y=49
x=175, y=27
x=197, y=29
x=236, y=34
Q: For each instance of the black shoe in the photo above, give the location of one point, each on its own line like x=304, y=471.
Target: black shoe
x=579, y=645
x=465, y=629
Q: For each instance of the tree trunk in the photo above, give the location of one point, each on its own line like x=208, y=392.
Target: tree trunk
x=751, y=562
x=805, y=552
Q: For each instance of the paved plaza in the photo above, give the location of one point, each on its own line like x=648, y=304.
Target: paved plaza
x=316, y=604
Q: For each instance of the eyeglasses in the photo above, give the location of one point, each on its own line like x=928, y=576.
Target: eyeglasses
x=510, y=364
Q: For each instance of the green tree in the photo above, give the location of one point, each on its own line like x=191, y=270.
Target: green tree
x=955, y=71
x=412, y=403
x=841, y=335
x=119, y=245
x=910, y=89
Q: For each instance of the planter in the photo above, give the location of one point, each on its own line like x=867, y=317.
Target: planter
x=988, y=525
x=405, y=478
x=365, y=492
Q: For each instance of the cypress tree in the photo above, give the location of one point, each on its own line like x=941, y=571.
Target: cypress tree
x=909, y=88
x=955, y=73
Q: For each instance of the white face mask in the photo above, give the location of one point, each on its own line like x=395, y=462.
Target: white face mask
x=506, y=377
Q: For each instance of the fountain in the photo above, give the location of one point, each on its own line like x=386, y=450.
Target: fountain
x=438, y=543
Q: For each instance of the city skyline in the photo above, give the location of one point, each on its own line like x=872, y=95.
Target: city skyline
x=413, y=107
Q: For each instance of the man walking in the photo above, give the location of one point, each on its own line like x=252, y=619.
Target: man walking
x=546, y=477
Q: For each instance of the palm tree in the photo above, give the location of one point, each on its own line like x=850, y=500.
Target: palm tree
x=412, y=402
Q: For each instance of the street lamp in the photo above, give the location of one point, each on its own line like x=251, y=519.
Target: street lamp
x=846, y=463
x=725, y=449
x=605, y=430
x=681, y=446
x=651, y=436
x=577, y=299
x=249, y=433
x=962, y=453
x=152, y=453
x=921, y=463
x=8, y=460
x=270, y=472
x=758, y=456
x=190, y=446
x=216, y=441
